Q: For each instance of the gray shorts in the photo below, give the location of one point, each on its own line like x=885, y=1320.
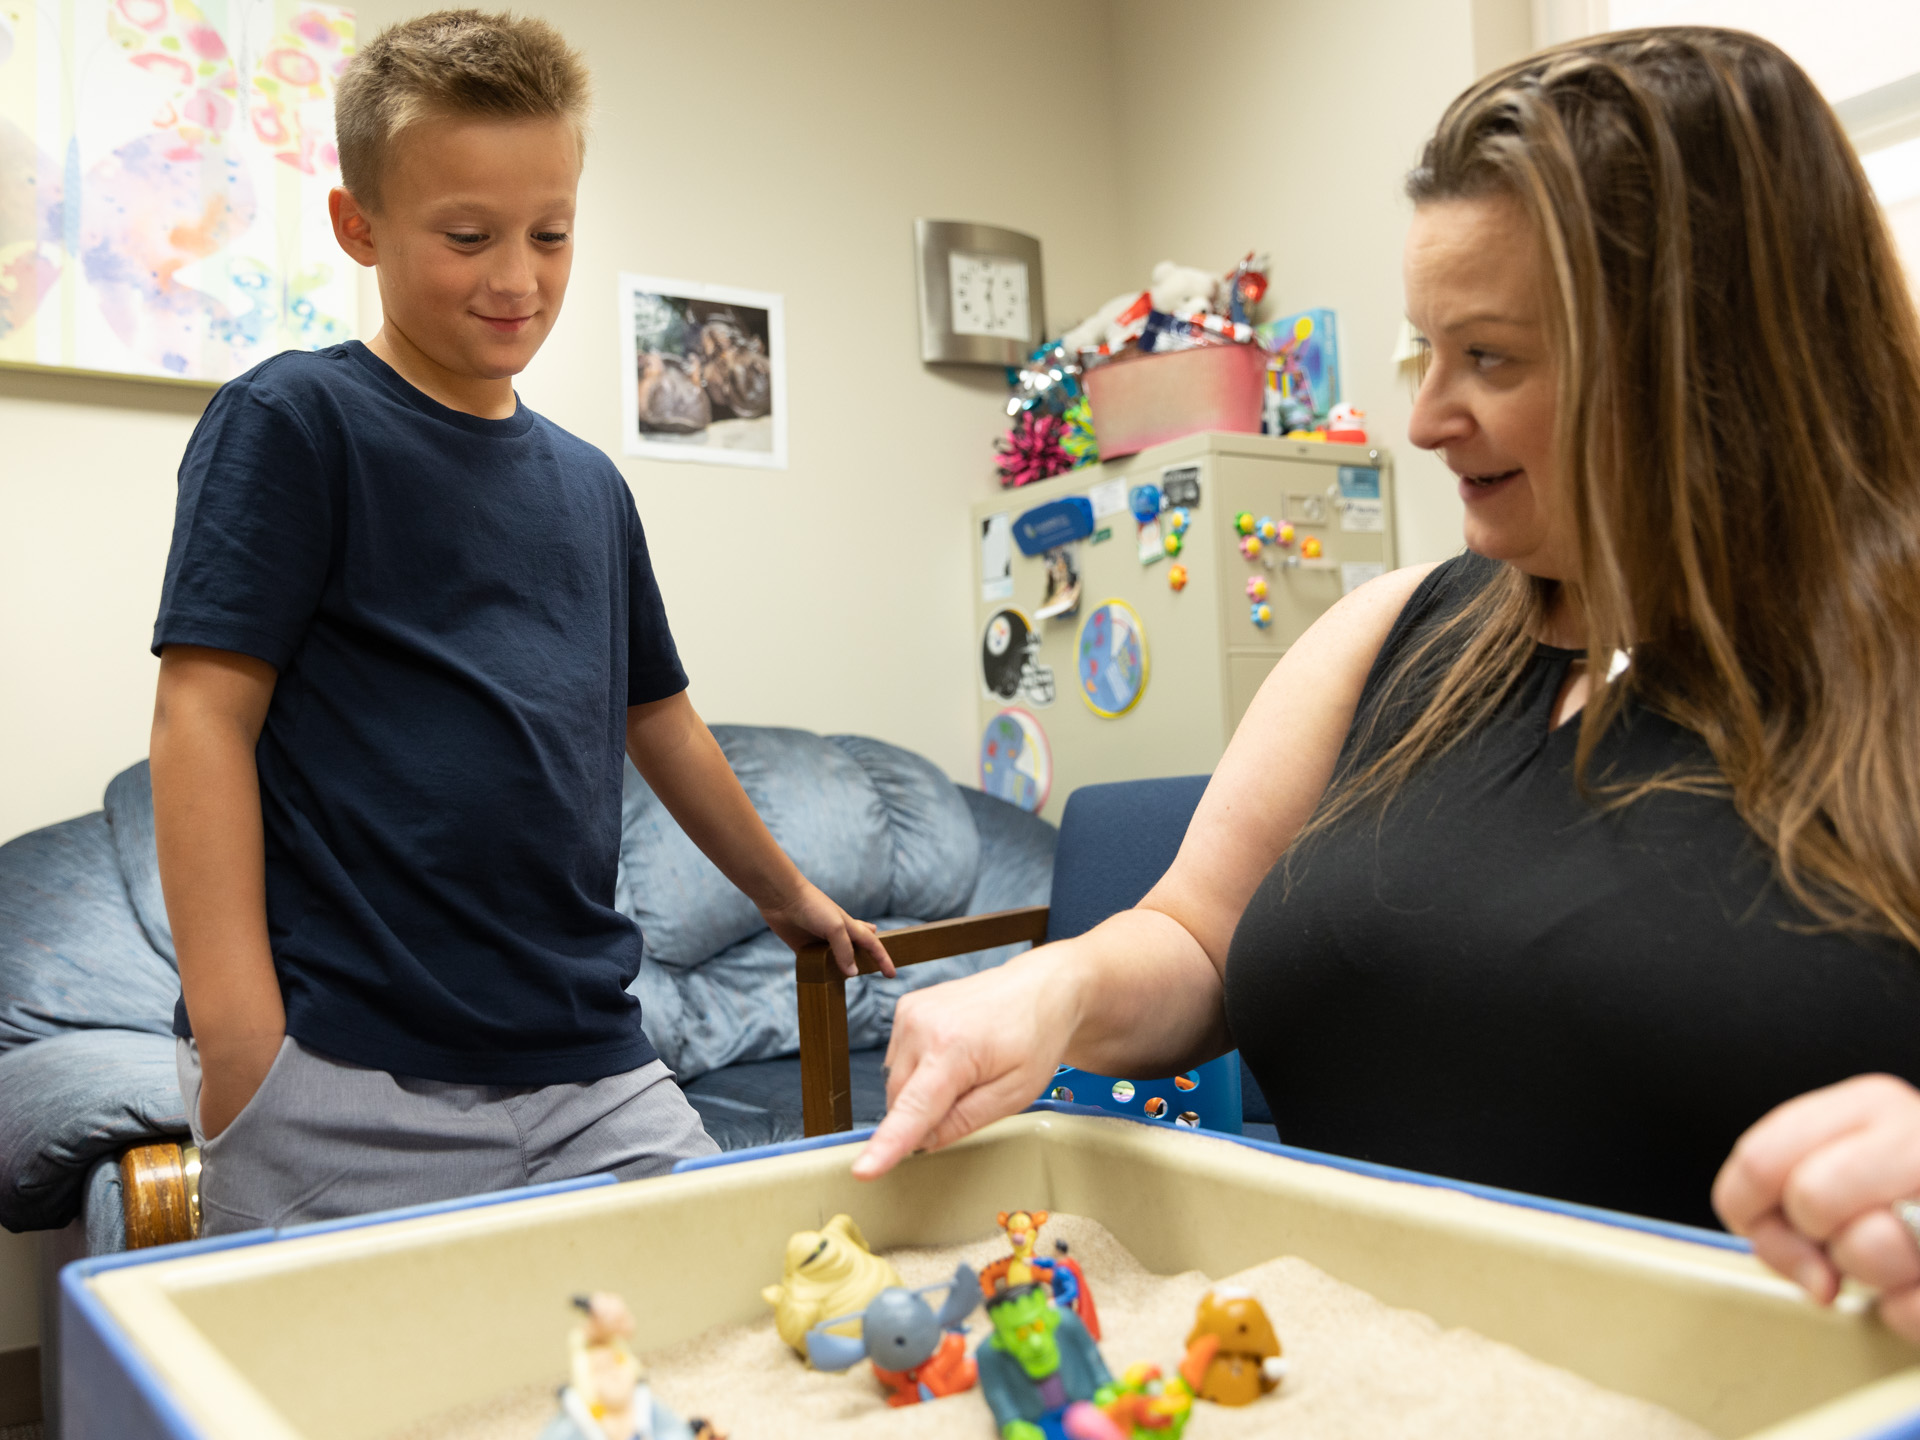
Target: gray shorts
x=321, y=1138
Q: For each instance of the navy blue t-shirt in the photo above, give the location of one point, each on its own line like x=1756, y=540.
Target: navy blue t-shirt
x=460, y=611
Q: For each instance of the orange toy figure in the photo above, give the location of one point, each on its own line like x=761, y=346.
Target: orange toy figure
x=1023, y=1267
x=947, y=1371
x=1233, y=1356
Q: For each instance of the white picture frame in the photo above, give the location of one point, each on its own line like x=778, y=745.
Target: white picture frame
x=697, y=362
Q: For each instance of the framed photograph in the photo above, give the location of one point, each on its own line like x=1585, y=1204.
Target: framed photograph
x=164, y=171
x=703, y=373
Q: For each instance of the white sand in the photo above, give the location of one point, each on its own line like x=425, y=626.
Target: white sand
x=1358, y=1369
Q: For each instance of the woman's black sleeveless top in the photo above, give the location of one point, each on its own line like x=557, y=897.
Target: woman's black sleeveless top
x=1498, y=981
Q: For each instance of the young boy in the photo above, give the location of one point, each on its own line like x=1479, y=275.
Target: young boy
x=407, y=629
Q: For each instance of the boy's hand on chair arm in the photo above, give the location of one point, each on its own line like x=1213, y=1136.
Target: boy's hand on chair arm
x=1813, y=1185
x=808, y=917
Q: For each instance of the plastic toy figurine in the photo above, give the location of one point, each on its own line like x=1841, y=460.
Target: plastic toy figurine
x=1233, y=1356
x=1250, y=546
x=1310, y=548
x=1148, y=1405
x=1256, y=587
x=1286, y=535
x=829, y=1271
x=1176, y=577
x=1243, y=523
x=1347, y=425
x=1038, y=1366
x=1261, y=614
x=608, y=1397
x=917, y=1354
x=1267, y=530
x=1061, y=1275
x=1178, y=520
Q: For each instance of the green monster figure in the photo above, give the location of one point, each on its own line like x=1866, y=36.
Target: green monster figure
x=1038, y=1362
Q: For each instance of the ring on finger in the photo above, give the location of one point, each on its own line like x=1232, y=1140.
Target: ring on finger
x=1908, y=1213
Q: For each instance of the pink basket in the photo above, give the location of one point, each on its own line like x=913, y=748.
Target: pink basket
x=1148, y=400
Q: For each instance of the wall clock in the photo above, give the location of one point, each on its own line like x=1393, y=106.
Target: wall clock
x=981, y=299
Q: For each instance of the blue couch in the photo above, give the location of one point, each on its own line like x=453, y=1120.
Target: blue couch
x=88, y=980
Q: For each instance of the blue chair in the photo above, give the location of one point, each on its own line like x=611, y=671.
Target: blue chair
x=1116, y=841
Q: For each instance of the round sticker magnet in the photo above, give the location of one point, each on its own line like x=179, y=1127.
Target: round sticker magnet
x=1016, y=764
x=1112, y=664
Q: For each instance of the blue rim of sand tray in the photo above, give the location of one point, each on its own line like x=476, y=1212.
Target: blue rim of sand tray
x=87, y=1325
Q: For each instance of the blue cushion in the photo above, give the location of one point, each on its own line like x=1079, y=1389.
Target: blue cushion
x=936, y=850
x=740, y=1006
x=1016, y=854
x=129, y=803
x=1116, y=841
x=70, y=1101
x=73, y=955
x=757, y=1102
x=818, y=803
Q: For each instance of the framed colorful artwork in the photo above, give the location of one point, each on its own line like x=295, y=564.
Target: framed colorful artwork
x=164, y=169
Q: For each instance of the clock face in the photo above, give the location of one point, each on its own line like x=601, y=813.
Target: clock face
x=989, y=296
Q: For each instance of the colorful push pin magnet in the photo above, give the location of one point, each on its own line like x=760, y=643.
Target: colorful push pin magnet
x=1286, y=535
x=1310, y=548
x=1178, y=520
x=1144, y=501
x=1250, y=546
x=1256, y=587
x=1267, y=530
x=1261, y=614
x=1176, y=577
x=1175, y=543
x=1243, y=523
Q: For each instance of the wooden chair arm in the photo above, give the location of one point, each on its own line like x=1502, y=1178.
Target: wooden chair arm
x=826, y=1082
x=160, y=1188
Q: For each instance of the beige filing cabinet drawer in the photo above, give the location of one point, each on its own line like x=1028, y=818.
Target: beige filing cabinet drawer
x=1205, y=657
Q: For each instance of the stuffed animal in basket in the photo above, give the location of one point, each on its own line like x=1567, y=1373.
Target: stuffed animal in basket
x=1233, y=1356
x=829, y=1271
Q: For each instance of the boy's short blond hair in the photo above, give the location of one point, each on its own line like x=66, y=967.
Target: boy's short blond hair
x=452, y=62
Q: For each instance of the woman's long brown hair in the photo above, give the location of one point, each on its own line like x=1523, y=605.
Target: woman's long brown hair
x=1739, y=428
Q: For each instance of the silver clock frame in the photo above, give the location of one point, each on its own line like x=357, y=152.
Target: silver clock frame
x=934, y=241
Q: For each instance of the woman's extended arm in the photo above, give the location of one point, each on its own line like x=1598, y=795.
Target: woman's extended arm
x=1142, y=993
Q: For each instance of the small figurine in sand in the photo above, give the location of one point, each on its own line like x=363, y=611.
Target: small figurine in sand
x=1148, y=1406
x=1233, y=1356
x=917, y=1353
x=1061, y=1274
x=608, y=1397
x=829, y=1271
x=1039, y=1366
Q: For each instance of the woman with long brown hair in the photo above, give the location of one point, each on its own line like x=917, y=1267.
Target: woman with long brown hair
x=1560, y=864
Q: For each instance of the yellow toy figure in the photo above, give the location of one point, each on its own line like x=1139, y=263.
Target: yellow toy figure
x=829, y=1271
x=1233, y=1356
